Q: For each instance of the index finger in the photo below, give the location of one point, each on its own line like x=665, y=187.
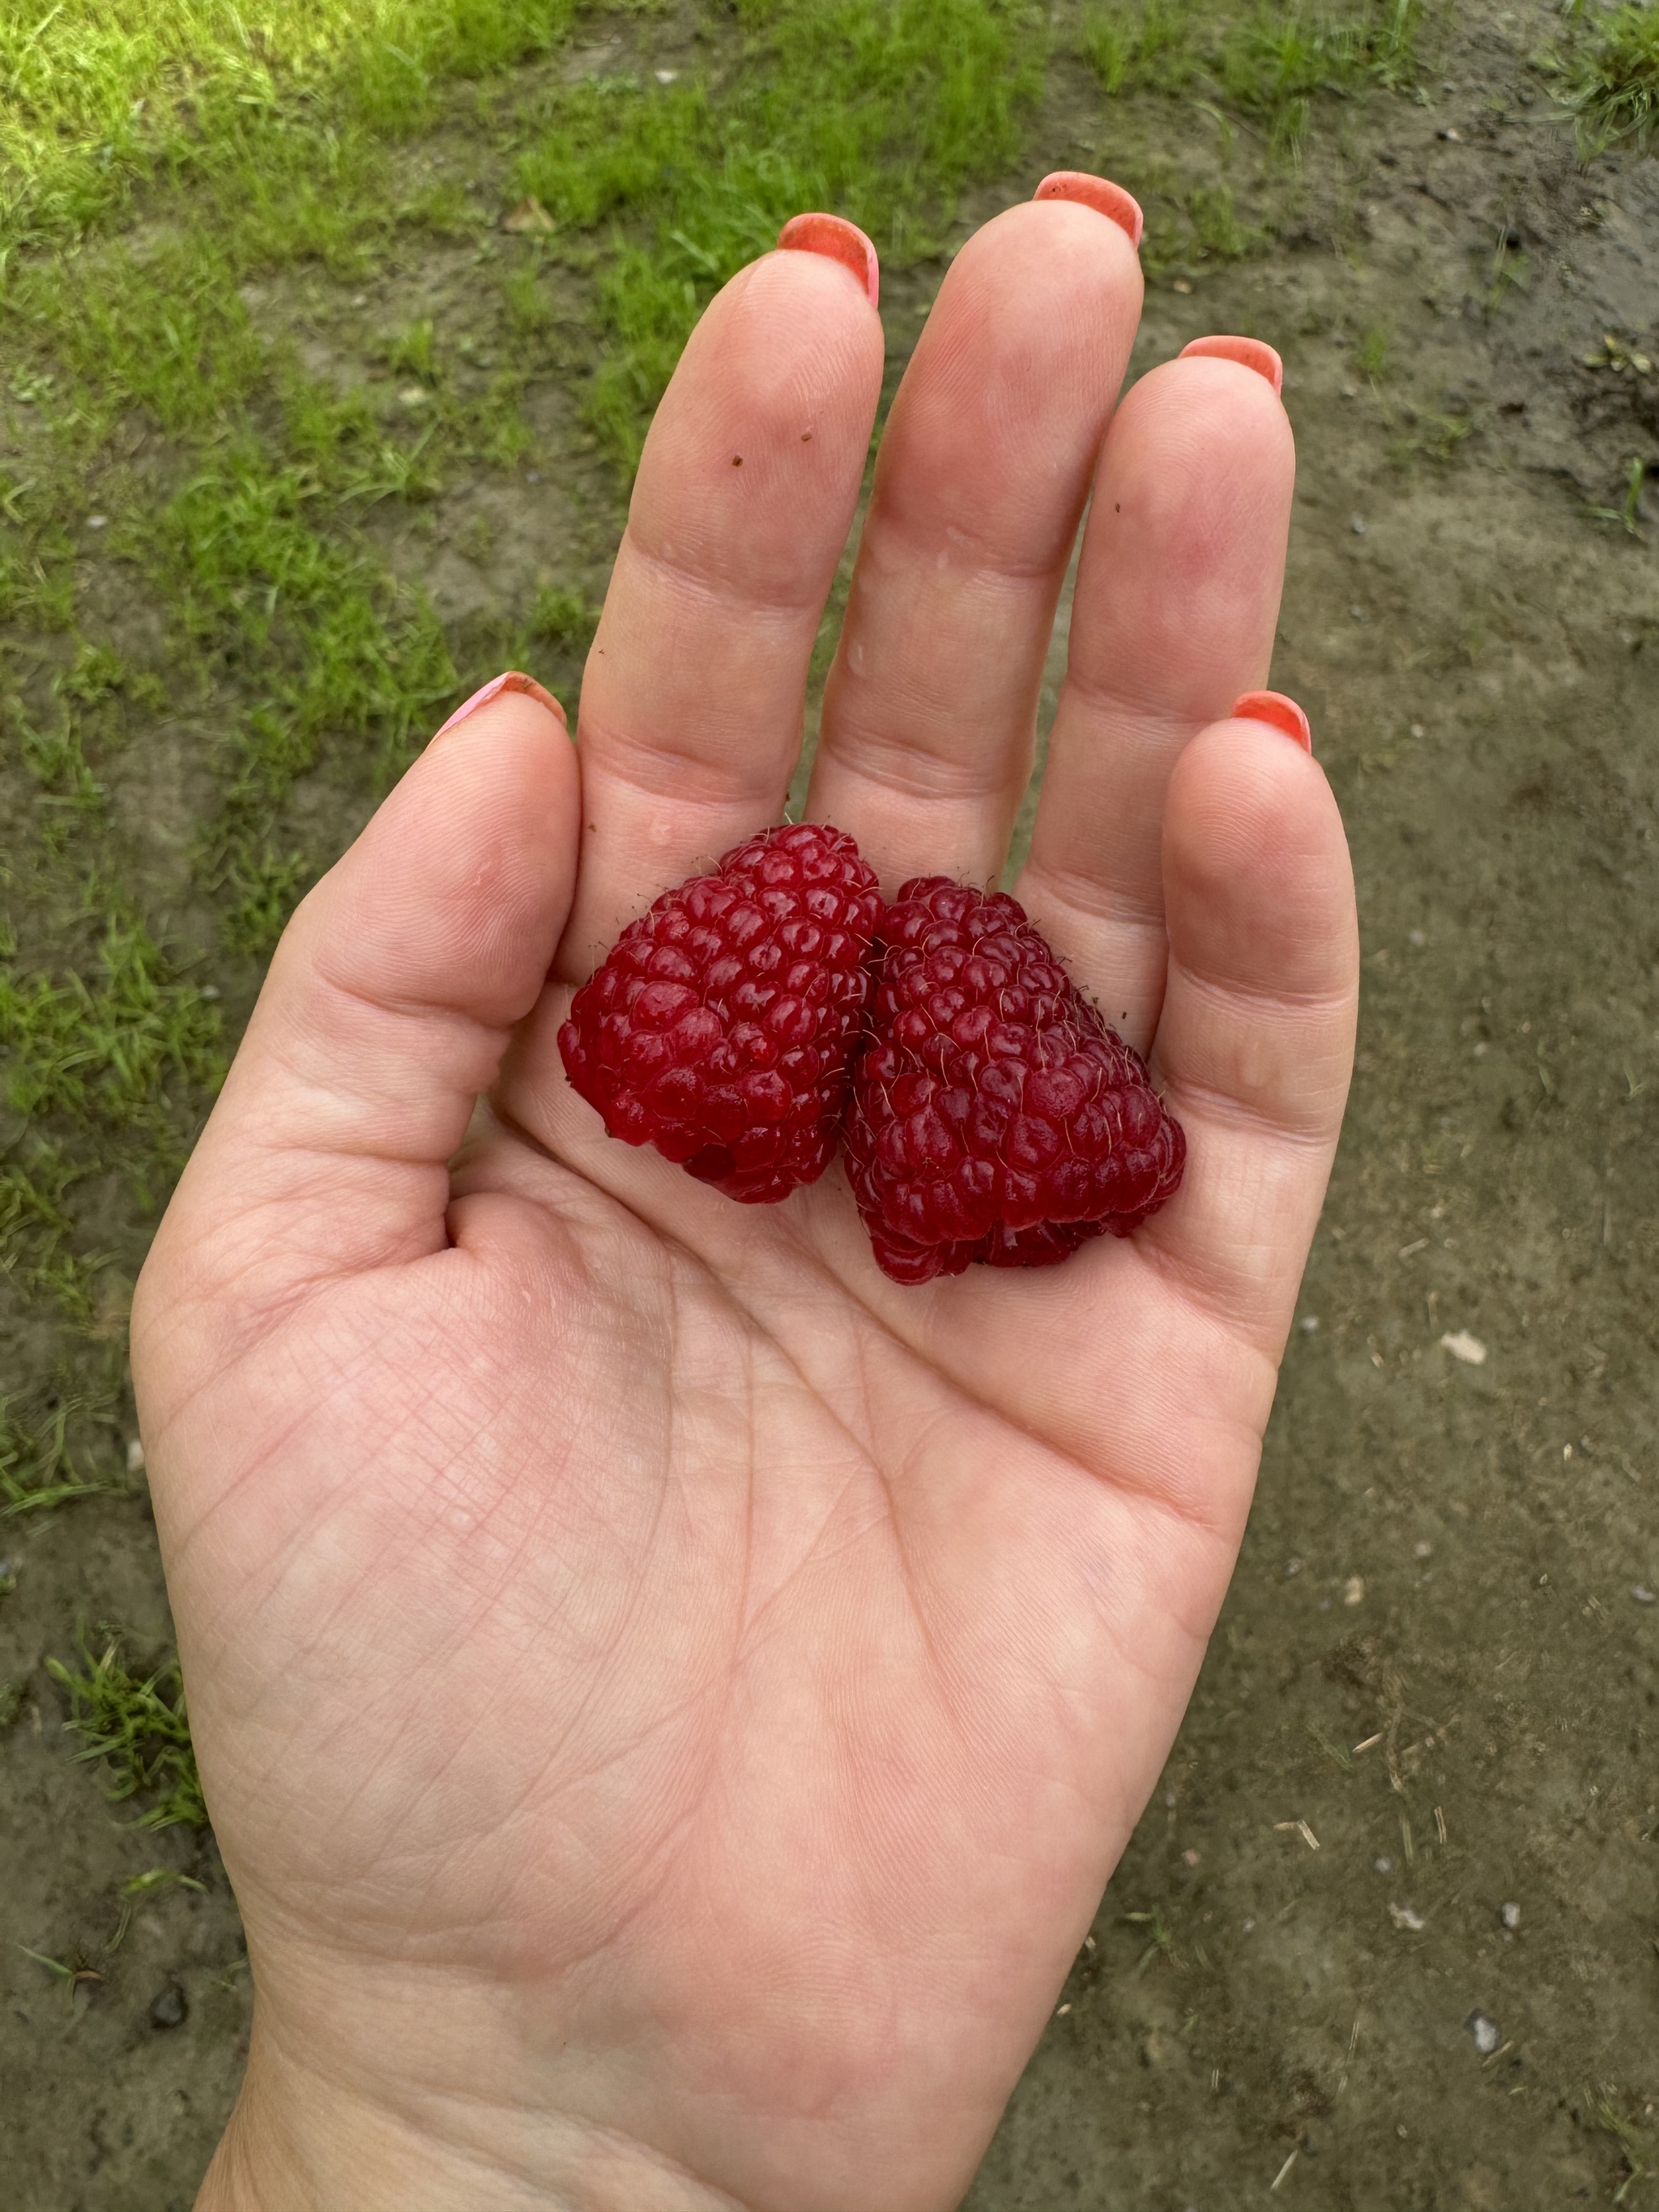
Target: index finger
x=694, y=695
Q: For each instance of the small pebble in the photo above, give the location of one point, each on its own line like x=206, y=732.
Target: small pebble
x=1643, y=1595
x=98, y=522
x=1416, y=937
x=532, y=476
x=1510, y=1915
x=1455, y=135
x=1310, y=1323
x=1353, y=1591
x=1357, y=524
x=1422, y=1550
x=134, y=1456
x=1382, y=1863
x=168, y=2009
x=1403, y=1917
x=1486, y=2031
x=1469, y=1349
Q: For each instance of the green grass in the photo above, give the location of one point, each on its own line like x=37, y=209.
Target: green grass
x=1608, y=77
x=136, y=1726
x=1266, y=63
x=46, y=1458
x=100, y=95
x=883, y=109
x=109, y=1048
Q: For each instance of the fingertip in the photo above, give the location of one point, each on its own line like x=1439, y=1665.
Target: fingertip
x=1099, y=193
x=1259, y=884
x=514, y=681
x=1279, y=711
x=836, y=239
x=1249, y=352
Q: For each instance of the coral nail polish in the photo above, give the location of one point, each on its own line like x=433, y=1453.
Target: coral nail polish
x=1249, y=353
x=1273, y=706
x=512, y=680
x=1098, y=192
x=837, y=238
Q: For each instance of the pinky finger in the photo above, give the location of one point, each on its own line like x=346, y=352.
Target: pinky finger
x=1255, y=1046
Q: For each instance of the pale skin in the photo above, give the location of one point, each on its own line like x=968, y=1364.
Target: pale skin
x=668, y=1698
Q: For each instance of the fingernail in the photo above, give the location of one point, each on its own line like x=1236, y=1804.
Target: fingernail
x=1098, y=192
x=837, y=240
x=1249, y=353
x=513, y=680
x=1273, y=706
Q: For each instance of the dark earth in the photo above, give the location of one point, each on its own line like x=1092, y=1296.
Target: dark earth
x=1388, y=1934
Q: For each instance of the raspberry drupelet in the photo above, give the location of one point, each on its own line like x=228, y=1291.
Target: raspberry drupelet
x=995, y=1116
x=722, y=1026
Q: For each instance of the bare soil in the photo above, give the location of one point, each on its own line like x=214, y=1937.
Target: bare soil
x=1387, y=1935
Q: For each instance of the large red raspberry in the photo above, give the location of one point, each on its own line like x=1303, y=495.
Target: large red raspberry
x=994, y=1115
x=721, y=1027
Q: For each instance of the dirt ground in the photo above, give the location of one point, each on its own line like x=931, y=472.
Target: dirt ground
x=1387, y=1935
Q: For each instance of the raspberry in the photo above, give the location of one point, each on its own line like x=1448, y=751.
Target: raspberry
x=994, y=1115
x=722, y=1025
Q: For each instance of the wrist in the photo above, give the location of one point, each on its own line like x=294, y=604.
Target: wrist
x=299, y=2141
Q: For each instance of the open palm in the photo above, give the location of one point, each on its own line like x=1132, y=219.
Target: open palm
x=668, y=1698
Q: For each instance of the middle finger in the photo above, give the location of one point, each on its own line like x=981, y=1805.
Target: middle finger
x=929, y=716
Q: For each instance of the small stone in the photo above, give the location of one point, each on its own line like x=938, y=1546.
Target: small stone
x=665, y=77
x=1309, y=1324
x=98, y=522
x=1416, y=938
x=1403, y=1917
x=1353, y=1591
x=1181, y=285
x=1382, y=1863
x=134, y=1456
x=1421, y=1550
x=414, y=395
x=1510, y=1915
x=1643, y=1595
x=168, y=2009
x=1454, y=135
x=1486, y=2031
x=530, y=219
x=1469, y=1349
x=1357, y=524
x=1189, y=1858
x=532, y=476
x=1418, y=730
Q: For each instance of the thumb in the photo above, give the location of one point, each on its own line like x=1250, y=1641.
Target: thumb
x=385, y=1015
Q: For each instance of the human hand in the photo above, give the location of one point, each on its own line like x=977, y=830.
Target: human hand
x=668, y=1698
